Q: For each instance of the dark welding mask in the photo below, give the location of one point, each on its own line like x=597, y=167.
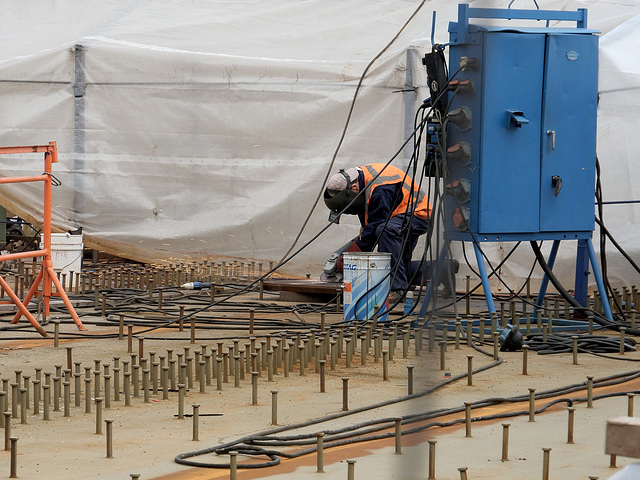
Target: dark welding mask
x=338, y=200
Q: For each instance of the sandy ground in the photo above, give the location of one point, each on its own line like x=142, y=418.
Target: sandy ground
x=147, y=436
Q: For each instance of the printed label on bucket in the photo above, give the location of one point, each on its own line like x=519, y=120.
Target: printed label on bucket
x=346, y=293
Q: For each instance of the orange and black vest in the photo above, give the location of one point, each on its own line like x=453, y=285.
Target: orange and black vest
x=413, y=199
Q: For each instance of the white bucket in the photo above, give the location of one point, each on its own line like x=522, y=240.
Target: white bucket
x=366, y=285
x=66, y=252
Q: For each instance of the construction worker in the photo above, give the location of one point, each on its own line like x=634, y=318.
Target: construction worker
x=392, y=210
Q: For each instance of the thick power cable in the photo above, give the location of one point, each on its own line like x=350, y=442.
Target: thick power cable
x=250, y=445
x=569, y=298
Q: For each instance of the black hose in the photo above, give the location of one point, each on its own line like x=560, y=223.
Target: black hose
x=569, y=298
x=363, y=432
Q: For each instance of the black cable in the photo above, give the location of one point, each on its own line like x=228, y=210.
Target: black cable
x=361, y=432
x=570, y=299
x=563, y=343
x=603, y=241
x=617, y=245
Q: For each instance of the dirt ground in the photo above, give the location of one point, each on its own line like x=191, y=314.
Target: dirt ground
x=147, y=436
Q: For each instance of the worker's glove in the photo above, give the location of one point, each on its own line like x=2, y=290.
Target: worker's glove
x=351, y=248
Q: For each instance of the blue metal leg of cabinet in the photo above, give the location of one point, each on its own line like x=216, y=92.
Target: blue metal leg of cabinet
x=581, y=278
x=485, y=281
x=545, y=280
x=598, y=277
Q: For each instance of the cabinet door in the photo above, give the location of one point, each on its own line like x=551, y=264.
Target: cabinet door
x=569, y=133
x=510, y=163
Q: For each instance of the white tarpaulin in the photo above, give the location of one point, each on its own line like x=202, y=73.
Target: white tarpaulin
x=196, y=129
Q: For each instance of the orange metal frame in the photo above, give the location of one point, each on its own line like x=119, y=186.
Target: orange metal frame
x=46, y=275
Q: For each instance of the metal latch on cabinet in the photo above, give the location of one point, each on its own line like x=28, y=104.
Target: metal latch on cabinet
x=516, y=118
x=556, y=183
x=552, y=134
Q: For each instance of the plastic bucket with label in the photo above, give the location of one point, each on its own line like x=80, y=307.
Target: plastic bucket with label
x=366, y=284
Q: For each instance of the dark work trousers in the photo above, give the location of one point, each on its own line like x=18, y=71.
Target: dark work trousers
x=391, y=239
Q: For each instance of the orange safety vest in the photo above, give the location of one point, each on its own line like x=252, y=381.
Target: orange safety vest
x=419, y=203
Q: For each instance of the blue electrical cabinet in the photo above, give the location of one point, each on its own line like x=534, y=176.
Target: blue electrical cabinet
x=520, y=137
x=528, y=127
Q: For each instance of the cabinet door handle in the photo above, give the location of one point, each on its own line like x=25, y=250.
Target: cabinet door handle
x=552, y=134
x=556, y=183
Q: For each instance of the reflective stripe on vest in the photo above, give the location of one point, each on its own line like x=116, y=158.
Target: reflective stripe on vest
x=392, y=175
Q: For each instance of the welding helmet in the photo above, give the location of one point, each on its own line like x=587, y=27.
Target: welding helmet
x=338, y=194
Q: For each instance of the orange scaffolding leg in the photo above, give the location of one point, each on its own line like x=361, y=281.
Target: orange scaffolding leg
x=30, y=294
x=22, y=308
x=65, y=298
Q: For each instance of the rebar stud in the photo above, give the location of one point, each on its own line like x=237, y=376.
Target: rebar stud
x=36, y=398
x=219, y=376
x=129, y=338
x=351, y=469
x=126, y=382
x=545, y=463
x=99, y=415
x=56, y=393
x=570, y=424
x=14, y=399
x=398, y=435
x=319, y=452
x=23, y=405
x=274, y=407
x=135, y=380
x=87, y=395
x=532, y=404
x=505, y=442
x=56, y=333
x=14, y=457
x=109, y=428
x=201, y=375
x=432, y=459
x=405, y=342
x=7, y=430
x=181, y=389
x=233, y=466
x=67, y=398
x=254, y=388
x=3, y=406
x=322, y=376
x=196, y=417
x=345, y=394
